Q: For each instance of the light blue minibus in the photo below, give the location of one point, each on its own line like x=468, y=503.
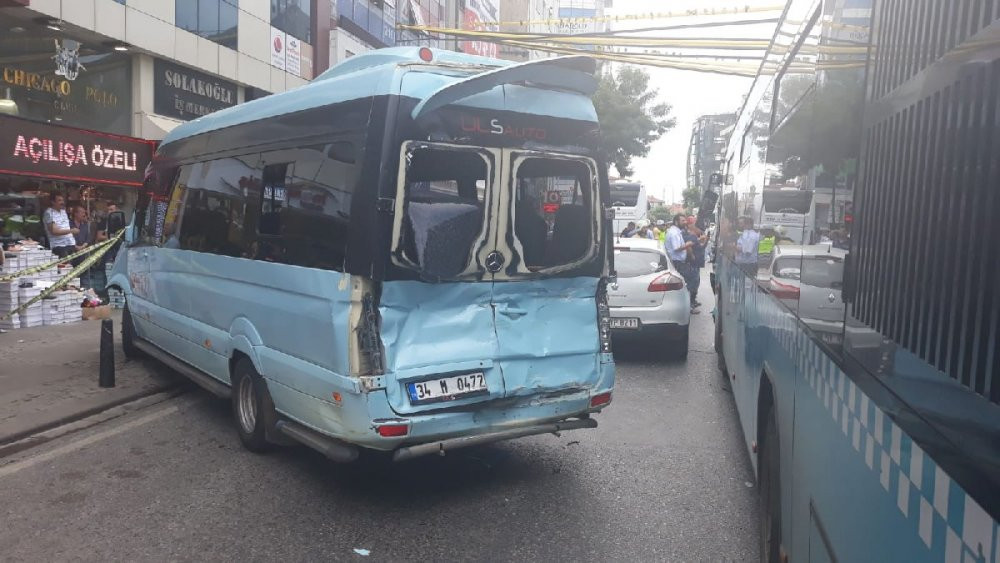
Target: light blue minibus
x=373, y=260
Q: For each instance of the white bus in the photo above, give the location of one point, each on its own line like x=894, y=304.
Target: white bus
x=629, y=201
x=792, y=210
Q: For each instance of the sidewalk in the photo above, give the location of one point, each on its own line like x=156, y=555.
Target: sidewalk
x=48, y=377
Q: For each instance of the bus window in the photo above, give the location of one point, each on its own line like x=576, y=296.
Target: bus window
x=444, y=208
x=624, y=195
x=305, y=205
x=553, y=214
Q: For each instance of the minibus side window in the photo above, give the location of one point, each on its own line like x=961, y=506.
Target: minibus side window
x=553, y=211
x=445, y=194
x=305, y=198
x=214, y=206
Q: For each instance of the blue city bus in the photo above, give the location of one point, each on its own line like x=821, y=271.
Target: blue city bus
x=372, y=260
x=876, y=438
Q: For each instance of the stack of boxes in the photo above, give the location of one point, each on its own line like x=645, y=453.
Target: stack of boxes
x=33, y=315
x=61, y=307
x=8, y=302
x=116, y=298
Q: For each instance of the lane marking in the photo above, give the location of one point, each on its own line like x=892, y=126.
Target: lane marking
x=16, y=466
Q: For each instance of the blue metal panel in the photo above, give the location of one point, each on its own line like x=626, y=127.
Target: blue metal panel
x=547, y=335
x=447, y=327
x=848, y=468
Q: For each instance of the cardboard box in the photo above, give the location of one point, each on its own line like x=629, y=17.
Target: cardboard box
x=96, y=313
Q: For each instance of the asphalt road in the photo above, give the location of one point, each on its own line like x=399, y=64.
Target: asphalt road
x=664, y=478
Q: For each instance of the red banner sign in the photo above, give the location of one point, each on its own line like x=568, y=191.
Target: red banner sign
x=30, y=148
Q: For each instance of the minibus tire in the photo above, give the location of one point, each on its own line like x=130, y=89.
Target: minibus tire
x=718, y=328
x=128, y=336
x=770, y=492
x=250, y=391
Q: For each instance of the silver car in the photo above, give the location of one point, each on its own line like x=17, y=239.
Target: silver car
x=808, y=279
x=649, y=299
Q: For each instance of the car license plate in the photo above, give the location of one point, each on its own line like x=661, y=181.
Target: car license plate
x=832, y=338
x=628, y=323
x=447, y=388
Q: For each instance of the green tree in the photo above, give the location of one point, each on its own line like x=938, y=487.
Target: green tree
x=659, y=212
x=692, y=198
x=630, y=117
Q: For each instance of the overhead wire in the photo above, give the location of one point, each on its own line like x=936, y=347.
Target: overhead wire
x=669, y=14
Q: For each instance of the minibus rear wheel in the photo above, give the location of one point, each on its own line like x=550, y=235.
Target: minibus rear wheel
x=251, y=403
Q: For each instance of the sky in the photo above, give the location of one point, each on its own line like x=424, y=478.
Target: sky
x=692, y=94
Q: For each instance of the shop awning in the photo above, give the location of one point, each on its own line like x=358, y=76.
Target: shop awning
x=156, y=127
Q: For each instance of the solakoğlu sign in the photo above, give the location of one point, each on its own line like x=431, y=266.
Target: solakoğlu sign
x=29, y=148
x=186, y=94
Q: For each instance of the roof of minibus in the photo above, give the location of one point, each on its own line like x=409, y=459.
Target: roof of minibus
x=375, y=73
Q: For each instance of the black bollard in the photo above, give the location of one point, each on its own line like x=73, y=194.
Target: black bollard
x=107, y=374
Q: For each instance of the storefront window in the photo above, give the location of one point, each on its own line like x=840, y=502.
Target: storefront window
x=215, y=20
x=100, y=98
x=293, y=17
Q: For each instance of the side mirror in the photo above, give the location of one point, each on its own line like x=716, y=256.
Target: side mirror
x=116, y=222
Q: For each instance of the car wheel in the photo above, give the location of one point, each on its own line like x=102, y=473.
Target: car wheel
x=770, y=492
x=682, y=352
x=128, y=336
x=251, y=402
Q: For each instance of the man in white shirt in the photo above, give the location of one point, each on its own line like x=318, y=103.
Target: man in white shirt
x=61, y=236
x=674, y=241
x=677, y=249
x=747, y=246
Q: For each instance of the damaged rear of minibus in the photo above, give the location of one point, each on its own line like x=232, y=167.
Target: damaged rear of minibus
x=413, y=256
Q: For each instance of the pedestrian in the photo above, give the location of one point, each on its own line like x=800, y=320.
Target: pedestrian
x=62, y=241
x=643, y=232
x=102, y=228
x=629, y=230
x=677, y=249
x=80, y=221
x=697, y=256
x=747, y=246
x=660, y=230
x=765, y=247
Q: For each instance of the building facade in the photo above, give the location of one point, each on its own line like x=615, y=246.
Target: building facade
x=87, y=87
x=535, y=13
x=587, y=13
x=434, y=13
x=361, y=25
x=707, y=150
x=149, y=65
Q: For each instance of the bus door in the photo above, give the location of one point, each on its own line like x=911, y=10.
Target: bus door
x=438, y=330
x=546, y=309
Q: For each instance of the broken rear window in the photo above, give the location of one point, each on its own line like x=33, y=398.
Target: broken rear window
x=554, y=211
x=444, y=208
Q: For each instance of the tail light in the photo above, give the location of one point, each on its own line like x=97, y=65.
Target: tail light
x=600, y=399
x=392, y=430
x=668, y=281
x=604, y=319
x=784, y=291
